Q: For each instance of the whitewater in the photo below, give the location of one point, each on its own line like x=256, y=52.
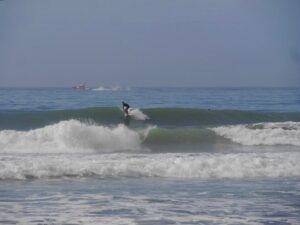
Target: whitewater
x=183, y=156
x=78, y=148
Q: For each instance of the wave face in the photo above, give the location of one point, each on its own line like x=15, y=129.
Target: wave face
x=200, y=166
x=168, y=117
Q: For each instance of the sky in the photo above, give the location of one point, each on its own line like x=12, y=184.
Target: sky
x=149, y=43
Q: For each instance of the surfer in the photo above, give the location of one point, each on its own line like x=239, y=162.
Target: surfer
x=125, y=108
x=126, y=113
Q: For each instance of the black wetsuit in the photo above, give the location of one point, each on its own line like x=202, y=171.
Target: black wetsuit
x=125, y=107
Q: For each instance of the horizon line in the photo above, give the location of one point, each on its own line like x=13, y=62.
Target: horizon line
x=127, y=86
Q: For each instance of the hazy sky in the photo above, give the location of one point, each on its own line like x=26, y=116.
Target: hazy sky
x=150, y=42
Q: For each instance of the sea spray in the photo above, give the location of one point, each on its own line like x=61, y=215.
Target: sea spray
x=137, y=114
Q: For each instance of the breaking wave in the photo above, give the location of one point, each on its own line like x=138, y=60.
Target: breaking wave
x=284, y=133
x=72, y=136
x=81, y=149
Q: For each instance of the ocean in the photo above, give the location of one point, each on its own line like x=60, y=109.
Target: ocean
x=183, y=156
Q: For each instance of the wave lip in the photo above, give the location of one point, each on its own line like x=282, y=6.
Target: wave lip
x=72, y=136
x=282, y=133
x=195, y=166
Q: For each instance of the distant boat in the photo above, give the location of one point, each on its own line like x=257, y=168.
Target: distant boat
x=81, y=87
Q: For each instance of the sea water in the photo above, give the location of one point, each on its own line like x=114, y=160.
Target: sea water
x=183, y=156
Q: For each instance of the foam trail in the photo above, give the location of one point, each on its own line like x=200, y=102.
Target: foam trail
x=72, y=136
x=285, y=133
x=200, y=166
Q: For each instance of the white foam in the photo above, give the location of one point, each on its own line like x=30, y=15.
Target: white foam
x=171, y=165
x=285, y=133
x=137, y=114
x=112, y=88
x=72, y=136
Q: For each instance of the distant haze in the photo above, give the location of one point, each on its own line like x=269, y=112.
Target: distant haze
x=150, y=42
